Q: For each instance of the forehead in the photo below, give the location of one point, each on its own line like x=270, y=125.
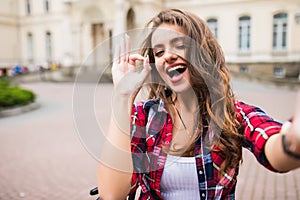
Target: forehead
x=166, y=32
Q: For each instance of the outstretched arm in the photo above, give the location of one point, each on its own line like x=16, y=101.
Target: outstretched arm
x=283, y=150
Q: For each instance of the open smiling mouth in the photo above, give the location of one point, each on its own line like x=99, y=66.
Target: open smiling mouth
x=176, y=70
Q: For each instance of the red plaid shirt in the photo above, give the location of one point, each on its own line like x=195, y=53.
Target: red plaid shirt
x=151, y=131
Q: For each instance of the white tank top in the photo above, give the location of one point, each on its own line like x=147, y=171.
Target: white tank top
x=179, y=179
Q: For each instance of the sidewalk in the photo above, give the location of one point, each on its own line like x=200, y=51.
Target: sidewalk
x=257, y=183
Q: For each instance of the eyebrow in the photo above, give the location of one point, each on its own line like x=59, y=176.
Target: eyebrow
x=173, y=41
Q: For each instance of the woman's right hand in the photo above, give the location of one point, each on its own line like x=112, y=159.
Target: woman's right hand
x=125, y=77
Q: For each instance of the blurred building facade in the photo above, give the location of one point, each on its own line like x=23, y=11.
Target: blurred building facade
x=258, y=36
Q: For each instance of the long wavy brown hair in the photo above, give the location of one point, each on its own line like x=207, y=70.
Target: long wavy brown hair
x=210, y=81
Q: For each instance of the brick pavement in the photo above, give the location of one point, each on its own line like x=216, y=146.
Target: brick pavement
x=42, y=156
x=256, y=182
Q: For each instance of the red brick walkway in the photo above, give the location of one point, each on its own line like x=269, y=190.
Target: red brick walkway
x=255, y=182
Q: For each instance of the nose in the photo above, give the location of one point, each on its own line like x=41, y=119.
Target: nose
x=170, y=56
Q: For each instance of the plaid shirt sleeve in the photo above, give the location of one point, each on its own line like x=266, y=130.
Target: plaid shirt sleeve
x=257, y=127
x=137, y=126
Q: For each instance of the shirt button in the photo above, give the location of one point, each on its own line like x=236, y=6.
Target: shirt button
x=200, y=172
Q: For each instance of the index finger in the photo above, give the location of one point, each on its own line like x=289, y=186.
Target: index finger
x=117, y=54
x=127, y=47
x=132, y=61
x=135, y=57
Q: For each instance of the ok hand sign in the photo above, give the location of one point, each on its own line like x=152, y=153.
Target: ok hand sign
x=124, y=73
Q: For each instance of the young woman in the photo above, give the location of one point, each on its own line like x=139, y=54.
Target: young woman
x=185, y=141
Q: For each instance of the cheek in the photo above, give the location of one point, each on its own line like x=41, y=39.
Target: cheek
x=159, y=66
x=182, y=54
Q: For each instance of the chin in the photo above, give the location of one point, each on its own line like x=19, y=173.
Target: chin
x=182, y=88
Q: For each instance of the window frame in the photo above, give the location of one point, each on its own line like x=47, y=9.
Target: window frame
x=28, y=7
x=49, y=45
x=280, y=32
x=30, y=47
x=213, y=26
x=279, y=71
x=244, y=69
x=47, y=6
x=244, y=34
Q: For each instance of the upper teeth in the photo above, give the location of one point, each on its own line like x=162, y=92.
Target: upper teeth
x=175, y=68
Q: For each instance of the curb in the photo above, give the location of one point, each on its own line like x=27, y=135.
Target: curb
x=19, y=110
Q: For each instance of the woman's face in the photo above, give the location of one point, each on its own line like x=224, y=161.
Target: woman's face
x=169, y=43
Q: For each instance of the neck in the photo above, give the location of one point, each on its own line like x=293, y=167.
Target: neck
x=186, y=108
x=187, y=101
x=184, y=132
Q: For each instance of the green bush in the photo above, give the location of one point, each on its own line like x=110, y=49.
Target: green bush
x=4, y=83
x=13, y=95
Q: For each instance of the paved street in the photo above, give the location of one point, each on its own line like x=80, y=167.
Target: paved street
x=44, y=157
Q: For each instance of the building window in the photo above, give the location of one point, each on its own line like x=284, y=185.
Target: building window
x=28, y=7
x=48, y=46
x=279, y=72
x=30, y=47
x=244, y=69
x=213, y=25
x=46, y=4
x=244, y=34
x=280, y=32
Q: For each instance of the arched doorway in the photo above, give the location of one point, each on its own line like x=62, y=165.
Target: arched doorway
x=130, y=22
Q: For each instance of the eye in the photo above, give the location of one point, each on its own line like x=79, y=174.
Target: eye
x=158, y=52
x=180, y=47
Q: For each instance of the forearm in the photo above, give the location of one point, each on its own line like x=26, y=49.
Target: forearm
x=114, y=172
x=113, y=184
x=115, y=167
x=274, y=150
